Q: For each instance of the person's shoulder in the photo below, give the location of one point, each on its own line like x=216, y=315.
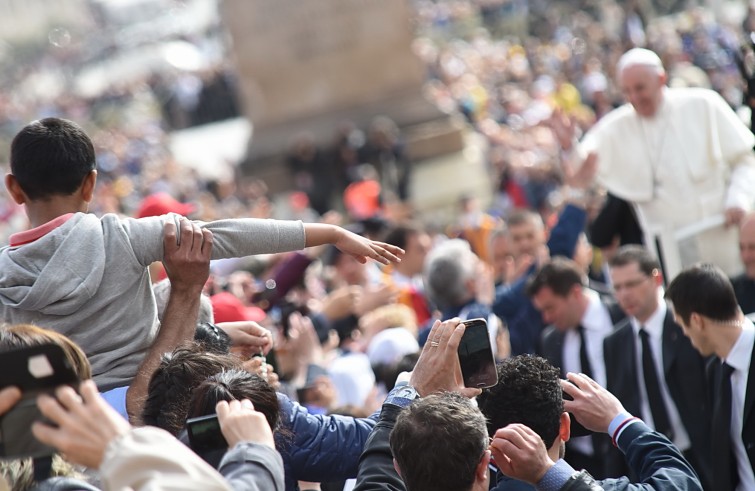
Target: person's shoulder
x=619, y=115
x=685, y=96
x=621, y=330
x=740, y=280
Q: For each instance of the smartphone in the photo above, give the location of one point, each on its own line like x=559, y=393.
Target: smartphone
x=35, y=370
x=476, y=355
x=205, y=438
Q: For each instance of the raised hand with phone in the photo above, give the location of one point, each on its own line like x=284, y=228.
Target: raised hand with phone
x=439, y=368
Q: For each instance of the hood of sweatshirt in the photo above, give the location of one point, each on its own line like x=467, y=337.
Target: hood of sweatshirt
x=57, y=273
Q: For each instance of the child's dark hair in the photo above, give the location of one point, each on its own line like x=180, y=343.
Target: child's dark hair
x=50, y=157
x=235, y=384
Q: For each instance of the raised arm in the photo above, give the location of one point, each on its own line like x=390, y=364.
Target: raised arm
x=187, y=265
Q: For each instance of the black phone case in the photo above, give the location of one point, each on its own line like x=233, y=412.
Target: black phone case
x=35, y=370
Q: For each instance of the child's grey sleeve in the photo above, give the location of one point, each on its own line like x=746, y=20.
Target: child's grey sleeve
x=231, y=237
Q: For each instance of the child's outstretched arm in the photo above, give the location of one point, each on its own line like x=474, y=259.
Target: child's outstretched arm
x=350, y=243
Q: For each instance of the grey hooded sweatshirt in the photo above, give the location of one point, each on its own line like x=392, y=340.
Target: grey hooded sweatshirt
x=88, y=279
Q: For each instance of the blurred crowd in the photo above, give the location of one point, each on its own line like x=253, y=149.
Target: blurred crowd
x=343, y=329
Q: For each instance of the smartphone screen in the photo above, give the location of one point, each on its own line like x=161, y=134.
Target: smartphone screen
x=205, y=437
x=476, y=355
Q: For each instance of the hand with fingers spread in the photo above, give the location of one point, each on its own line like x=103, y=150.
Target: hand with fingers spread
x=520, y=453
x=438, y=369
x=239, y=422
x=564, y=128
x=86, y=424
x=186, y=256
x=592, y=405
x=360, y=248
x=248, y=338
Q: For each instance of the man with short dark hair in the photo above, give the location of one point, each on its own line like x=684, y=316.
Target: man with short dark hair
x=463, y=462
x=440, y=444
x=579, y=320
x=529, y=401
x=706, y=307
x=429, y=434
x=651, y=367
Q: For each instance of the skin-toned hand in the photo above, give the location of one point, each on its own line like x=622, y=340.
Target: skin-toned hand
x=484, y=284
x=361, y=248
x=373, y=297
x=86, y=424
x=9, y=396
x=304, y=341
x=239, y=422
x=734, y=216
x=520, y=453
x=340, y=303
x=563, y=127
x=258, y=367
x=593, y=406
x=583, y=177
x=438, y=369
x=248, y=338
x=187, y=262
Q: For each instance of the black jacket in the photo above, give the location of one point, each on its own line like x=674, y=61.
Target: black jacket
x=684, y=372
x=656, y=461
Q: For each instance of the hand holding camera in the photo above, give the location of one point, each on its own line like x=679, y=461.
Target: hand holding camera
x=438, y=367
x=239, y=422
x=86, y=424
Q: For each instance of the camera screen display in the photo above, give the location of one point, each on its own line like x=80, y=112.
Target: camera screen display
x=205, y=435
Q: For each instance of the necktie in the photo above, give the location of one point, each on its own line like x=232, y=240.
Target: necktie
x=653, y=388
x=724, y=472
x=584, y=361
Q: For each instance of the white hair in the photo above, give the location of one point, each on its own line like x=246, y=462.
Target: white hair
x=639, y=57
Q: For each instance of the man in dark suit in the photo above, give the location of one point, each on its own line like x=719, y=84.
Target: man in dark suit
x=578, y=321
x=706, y=308
x=652, y=367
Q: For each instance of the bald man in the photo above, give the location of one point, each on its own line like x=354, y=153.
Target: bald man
x=678, y=156
x=744, y=284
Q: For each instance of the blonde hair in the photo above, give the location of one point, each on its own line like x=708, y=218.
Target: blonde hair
x=18, y=475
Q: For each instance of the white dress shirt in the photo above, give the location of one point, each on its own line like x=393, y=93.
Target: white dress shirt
x=597, y=324
x=654, y=328
x=739, y=359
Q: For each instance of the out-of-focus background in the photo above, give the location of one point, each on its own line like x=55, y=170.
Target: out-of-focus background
x=289, y=108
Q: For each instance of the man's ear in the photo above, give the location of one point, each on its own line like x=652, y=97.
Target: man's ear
x=395, y=466
x=481, y=472
x=14, y=189
x=564, y=427
x=87, y=186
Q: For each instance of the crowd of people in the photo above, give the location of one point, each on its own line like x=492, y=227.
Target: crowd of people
x=218, y=345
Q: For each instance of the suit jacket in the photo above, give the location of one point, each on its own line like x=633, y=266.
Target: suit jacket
x=684, y=372
x=552, y=340
x=552, y=349
x=748, y=424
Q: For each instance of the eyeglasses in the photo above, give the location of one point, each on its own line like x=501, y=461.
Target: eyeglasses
x=630, y=285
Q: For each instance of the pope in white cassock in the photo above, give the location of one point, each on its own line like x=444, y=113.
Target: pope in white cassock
x=679, y=156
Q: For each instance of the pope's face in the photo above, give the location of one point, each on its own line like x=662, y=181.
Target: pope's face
x=642, y=87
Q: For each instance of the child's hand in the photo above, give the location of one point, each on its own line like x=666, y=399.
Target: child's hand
x=361, y=248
